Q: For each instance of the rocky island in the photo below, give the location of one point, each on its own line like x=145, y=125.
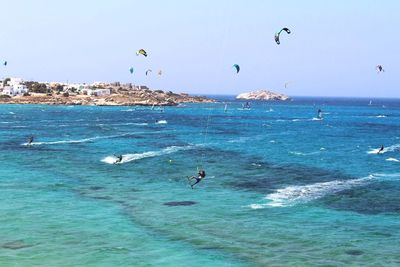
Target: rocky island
x=262, y=95
x=15, y=91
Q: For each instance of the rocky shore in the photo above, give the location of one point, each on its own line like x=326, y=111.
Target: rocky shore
x=144, y=97
x=262, y=95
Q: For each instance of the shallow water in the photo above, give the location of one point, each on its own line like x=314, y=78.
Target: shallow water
x=282, y=187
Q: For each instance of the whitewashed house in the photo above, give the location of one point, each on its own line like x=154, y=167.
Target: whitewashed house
x=102, y=92
x=86, y=91
x=15, y=87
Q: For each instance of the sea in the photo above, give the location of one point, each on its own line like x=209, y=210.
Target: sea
x=283, y=187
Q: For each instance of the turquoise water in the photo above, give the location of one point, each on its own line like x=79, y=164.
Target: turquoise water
x=282, y=188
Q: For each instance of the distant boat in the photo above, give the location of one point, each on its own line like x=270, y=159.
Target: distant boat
x=370, y=103
x=226, y=108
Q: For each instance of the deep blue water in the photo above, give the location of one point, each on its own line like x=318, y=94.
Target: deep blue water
x=283, y=188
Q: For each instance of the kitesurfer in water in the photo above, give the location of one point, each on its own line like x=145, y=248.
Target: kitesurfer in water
x=381, y=149
x=30, y=140
x=246, y=106
x=119, y=159
x=319, y=114
x=200, y=176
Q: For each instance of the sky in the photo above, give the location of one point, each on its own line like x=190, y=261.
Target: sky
x=332, y=51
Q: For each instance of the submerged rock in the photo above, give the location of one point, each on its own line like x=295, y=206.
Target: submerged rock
x=17, y=244
x=179, y=203
x=96, y=188
x=354, y=252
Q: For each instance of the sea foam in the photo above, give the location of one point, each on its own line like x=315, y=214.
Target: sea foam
x=296, y=194
x=84, y=140
x=386, y=149
x=149, y=154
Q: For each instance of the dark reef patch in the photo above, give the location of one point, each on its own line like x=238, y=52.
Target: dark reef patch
x=179, y=203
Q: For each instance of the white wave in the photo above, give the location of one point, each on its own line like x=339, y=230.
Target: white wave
x=256, y=206
x=381, y=116
x=161, y=122
x=128, y=123
x=317, y=119
x=12, y=113
x=386, y=175
x=72, y=141
x=293, y=195
x=304, y=154
x=149, y=154
x=375, y=151
x=392, y=159
x=313, y=119
x=239, y=140
x=386, y=149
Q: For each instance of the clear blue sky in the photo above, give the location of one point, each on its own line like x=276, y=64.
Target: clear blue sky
x=332, y=51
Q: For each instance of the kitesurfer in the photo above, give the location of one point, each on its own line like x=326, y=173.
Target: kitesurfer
x=200, y=176
x=319, y=114
x=119, y=159
x=30, y=140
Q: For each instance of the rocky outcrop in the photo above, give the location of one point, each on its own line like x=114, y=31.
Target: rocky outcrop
x=262, y=95
x=134, y=97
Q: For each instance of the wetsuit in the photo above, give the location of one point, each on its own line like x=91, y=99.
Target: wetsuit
x=119, y=159
x=198, y=179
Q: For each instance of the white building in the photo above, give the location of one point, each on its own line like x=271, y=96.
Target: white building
x=102, y=92
x=99, y=84
x=78, y=86
x=15, y=87
x=86, y=91
x=15, y=90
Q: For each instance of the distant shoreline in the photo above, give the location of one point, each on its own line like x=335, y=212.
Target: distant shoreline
x=144, y=99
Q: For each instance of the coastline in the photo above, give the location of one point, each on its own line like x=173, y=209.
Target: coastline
x=143, y=99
